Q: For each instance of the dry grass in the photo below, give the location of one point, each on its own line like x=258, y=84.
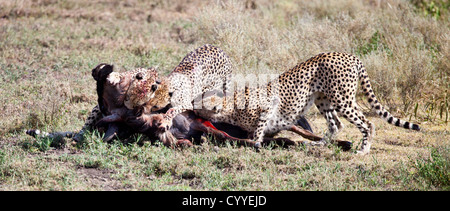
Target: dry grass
x=48, y=47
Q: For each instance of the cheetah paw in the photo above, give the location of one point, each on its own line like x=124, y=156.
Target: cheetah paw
x=257, y=146
x=165, y=125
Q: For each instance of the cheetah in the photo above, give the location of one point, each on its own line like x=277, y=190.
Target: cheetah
x=202, y=70
x=206, y=68
x=328, y=80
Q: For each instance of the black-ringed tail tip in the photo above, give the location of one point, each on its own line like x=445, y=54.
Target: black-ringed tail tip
x=396, y=121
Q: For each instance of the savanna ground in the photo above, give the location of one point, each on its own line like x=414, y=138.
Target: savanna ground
x=48, y=48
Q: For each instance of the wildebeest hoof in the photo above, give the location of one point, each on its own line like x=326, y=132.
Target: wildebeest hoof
x=78, y=137
x=345, y=145
x=111, y=132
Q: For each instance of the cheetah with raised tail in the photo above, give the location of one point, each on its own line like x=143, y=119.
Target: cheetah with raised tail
x=328, y=80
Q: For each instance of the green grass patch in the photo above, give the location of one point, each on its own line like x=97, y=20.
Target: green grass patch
x=435, y=168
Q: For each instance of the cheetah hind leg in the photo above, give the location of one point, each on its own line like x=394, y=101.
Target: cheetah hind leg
x=330, y=114
x=334, y=125
x=354, y=116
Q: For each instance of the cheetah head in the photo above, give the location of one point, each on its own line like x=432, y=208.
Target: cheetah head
x=148, y=92
x=113, y=87
x=161, y=98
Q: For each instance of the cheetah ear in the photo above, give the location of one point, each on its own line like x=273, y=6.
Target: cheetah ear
x=101, y=72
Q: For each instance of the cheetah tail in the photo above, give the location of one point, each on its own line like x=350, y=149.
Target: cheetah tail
x=377, y=107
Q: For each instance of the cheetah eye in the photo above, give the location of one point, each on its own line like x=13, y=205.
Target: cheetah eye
x=154, y=87
x=139, y=76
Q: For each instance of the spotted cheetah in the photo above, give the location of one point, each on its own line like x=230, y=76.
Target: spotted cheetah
x=328, y=80
x=206, y=68
x=206, y=64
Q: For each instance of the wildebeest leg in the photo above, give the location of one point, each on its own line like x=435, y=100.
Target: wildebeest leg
x=112, y=132
x=207, y=127
x=346, y=145
x=279, y=141
x=42, y=134
x=302, y=122
x=305, y=133
x=109, y=119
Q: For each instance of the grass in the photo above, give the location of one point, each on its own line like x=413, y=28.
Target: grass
x=394, y=164
x=47, y=49
x=435, y=169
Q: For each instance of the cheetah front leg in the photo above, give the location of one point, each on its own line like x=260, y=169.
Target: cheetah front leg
x=167, y=119
x=258, y=135
x=354, y=116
